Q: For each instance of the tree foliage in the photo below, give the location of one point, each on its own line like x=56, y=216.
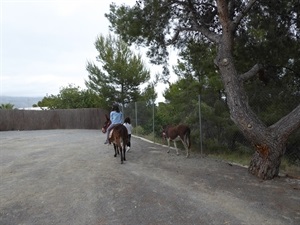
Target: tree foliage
x=122, y=71
x=72, y=97
x=6, y=106
x=248, y=43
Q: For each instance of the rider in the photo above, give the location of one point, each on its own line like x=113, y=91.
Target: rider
x=116, y=117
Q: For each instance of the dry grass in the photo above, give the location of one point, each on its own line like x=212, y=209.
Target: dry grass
x=237, y=157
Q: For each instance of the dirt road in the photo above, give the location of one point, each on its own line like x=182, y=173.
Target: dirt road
x=66, y=177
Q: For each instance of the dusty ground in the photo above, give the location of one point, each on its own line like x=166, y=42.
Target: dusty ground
x=70, y=177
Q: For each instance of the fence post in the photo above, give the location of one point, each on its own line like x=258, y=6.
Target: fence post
x=136, y=124
x=200, y=126
x=153, y=121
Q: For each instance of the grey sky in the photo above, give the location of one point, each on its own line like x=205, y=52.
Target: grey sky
x=45, y=44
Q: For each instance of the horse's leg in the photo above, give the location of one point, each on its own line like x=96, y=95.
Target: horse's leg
x=116, y=148
x=185, y=143
x=124, y=150
x=176, y=147
x=168, y=140
x=121, y=152
x=186, y=147
x=188, y=144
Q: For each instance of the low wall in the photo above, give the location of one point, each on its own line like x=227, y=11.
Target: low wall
x=91, y=118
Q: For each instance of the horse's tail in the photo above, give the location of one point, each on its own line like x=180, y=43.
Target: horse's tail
x=188, y=137
x=124, y=137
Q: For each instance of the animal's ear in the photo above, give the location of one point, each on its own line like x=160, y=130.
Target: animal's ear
x=107, y=118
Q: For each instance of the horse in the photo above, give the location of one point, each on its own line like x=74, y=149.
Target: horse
x=181, y=133
x=118, y=136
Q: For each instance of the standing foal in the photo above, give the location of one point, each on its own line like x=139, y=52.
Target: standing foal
x=178, y=133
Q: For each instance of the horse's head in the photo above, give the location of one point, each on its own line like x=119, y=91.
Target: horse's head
x=106, y=124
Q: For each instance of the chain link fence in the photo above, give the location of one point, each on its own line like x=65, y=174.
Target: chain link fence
x=212, y=130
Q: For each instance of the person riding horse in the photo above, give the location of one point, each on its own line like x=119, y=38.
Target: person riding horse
x=116, y=117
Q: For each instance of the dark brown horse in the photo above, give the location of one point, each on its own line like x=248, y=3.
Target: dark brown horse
x=118, y=136
x=178, y=133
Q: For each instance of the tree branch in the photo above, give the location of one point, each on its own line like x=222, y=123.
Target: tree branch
x=212, y=36
x=241, y=15
x=208, y=34
x=194, y=25
x=285, y=126
x=250, y=73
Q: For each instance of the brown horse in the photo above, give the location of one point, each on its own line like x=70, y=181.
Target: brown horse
x=178, y=133
x=119, y=137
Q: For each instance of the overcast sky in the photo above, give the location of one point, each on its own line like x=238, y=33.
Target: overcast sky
x=45, y=44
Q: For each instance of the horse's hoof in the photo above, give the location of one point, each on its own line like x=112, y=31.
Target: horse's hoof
x=115, y=155
x=177, y=153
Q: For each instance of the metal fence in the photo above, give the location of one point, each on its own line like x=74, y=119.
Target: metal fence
x=211, y=133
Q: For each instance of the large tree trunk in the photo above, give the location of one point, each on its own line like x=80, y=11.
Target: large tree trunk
x=269, y=142
x=266, y=160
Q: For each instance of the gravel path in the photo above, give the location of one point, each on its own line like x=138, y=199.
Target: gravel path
x=66, y=177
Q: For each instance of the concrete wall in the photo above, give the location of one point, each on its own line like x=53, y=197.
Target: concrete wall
x=92, y=118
